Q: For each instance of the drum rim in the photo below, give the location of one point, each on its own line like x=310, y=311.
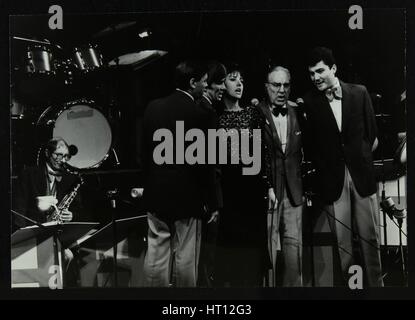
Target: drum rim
x=66, y=106
x=39, y=46
x=86, y=46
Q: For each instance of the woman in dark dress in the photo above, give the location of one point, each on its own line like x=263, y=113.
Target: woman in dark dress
x=242, y=257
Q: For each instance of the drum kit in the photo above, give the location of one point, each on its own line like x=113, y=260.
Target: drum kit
x=42, y=90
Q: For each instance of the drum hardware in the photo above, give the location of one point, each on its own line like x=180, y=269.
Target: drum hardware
x=17, y=110
x=39, y=60
x=87, y=58
x=46, y=42
x=117, y=162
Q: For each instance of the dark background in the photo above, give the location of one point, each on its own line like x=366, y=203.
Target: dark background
x=374, y=56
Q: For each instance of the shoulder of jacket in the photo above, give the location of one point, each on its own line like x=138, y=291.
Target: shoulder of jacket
x=355, y=86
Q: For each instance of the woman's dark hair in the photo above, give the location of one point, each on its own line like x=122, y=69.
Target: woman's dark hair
x=234, y=67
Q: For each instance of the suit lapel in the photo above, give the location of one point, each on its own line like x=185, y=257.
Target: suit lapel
x=290, y=126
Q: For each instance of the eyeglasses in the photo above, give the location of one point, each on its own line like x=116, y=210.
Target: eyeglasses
x=278, y=86
x=60, y=156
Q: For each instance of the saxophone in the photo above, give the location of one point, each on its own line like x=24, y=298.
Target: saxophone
x=56, y=215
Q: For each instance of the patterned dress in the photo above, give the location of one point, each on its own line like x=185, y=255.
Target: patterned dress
x=242, y=247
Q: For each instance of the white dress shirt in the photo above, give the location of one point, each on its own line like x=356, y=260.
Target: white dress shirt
x=336, y=107
x=281, y=124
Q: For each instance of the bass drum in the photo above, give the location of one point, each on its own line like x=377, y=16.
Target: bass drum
x=83, y=127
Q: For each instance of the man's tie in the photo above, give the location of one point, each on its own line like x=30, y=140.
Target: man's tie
x=334, y=93
x=278, y=110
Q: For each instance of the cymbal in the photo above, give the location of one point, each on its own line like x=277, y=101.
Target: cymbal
x=137, y=59
x=383, y=115
x=114, y=28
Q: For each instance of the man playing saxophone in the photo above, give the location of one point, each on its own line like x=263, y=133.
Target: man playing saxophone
x=41, y=190
x=47, y=192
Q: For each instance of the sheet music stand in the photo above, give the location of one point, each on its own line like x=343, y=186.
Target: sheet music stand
x=37, y=252
x=92, y=249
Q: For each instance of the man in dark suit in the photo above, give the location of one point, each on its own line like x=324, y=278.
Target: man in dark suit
x=214, y=92
x=282, y=136
x=175, y=194
x=39, y=189
x=341, y=137
x=48, y=179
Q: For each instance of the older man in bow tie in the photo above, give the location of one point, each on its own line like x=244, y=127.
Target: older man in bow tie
x=282, y=136
x=340, y=138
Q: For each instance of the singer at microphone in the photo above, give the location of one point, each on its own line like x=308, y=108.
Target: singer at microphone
x=40, y=189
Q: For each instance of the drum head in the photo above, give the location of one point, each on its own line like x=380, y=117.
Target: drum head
x=87, y=132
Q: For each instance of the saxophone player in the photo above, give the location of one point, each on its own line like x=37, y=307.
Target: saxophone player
x=40, y=189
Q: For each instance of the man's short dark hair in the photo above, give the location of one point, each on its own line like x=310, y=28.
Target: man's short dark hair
x=216, y=72
x=321, y=54
x=187, y=70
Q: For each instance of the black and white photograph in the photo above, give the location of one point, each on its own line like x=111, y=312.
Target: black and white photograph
x=214, y=150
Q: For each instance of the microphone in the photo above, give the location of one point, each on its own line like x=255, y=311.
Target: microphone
x=389, y=207
x=112, y=195
x=73, y=149
x=299, y=101
x=254, y=102
x=137, y=192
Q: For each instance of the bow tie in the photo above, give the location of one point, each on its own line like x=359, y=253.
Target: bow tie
x=334, y=93
x=278, y=110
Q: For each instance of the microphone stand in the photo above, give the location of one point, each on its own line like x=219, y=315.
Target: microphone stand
x=402, y=256
x=309, y=207
x=112, y=194
x=382, y=155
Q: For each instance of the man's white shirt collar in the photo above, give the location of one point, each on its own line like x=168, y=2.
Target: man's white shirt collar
x=207, y=98
x=187, y=93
